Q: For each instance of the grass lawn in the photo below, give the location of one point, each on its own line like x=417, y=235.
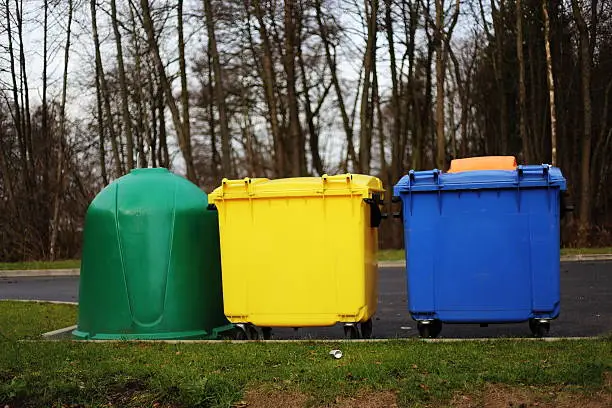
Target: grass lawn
x=406, y=373
x=65, y=264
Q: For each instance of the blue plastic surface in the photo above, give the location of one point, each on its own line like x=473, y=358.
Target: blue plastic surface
x=482, y=246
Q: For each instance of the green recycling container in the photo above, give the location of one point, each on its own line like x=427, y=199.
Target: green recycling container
x=150, y=267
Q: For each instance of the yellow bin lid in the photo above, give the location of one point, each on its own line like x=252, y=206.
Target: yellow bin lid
x=340, y=184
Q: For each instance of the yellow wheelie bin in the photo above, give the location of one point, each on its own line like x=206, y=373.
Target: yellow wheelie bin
x=300, y=252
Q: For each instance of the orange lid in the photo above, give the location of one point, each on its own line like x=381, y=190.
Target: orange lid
x=483, y=163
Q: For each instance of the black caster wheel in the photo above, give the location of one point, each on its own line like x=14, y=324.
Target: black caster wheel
x=267, y=333
x=246, y=332
x=429, y=330
x=539, y=328
x=351, y=332
x=240, y=334
x=366, y=329
x=252, y=332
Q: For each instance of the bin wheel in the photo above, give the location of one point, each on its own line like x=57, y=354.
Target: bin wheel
x=429, y=330
x=252, y=332
x=351, y=332
x=366, y=329
x=539, y=328
x=240, y=334
x=267, y=333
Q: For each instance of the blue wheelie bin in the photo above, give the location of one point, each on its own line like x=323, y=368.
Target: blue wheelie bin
x=482, y=246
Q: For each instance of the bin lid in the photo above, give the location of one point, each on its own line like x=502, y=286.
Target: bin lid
x=542, y=175
x=341, y=184
x=483, y=163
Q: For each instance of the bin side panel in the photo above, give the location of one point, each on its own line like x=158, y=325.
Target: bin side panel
x=420, y=213
x=234, y=233
x=545, y=250
x=370, y=267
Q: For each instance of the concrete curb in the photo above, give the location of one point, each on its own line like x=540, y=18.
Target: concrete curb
x=55, y=302
x=39, y=272
x=568, y=258
x=381, y=264
x=63, y=330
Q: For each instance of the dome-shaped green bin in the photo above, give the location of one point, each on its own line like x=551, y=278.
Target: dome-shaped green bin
x=150, y=267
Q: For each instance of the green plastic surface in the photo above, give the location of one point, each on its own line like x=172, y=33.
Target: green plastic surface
x=151, y=264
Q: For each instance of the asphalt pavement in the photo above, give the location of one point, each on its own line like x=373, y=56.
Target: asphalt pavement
x=586, y=305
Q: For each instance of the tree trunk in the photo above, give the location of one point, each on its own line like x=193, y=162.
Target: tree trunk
x=152, y=100
x=440, y=74
x=211, y=118
x=295, y=132
x=62, y=135
x=331, y=62
x=186, y=126
x=125, y=111
x=269, y=80
x=397, y=152
x=101, y=152
x=219, y=91
x=104, y=91
x=521, y=67
x=163, y=157
x=499, y=71
x=529, y=150
x=365, y=119
x=17, y=108
x=416, y=124
x=142, y=122
x=551, y=85
x=585, y=179
x=313, y=134
x=182, y=128
x=27, y=126
x=45, y=123
x=384, y=171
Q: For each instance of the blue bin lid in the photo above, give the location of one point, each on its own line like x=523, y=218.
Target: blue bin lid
x=542, y=175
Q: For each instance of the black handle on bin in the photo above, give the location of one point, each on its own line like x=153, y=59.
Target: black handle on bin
x=211, y=207
x=376, y=215
x=566, y=204
x=395, y=200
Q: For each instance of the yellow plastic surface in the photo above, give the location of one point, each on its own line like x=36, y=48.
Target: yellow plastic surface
x=483, y=163
x=298, y=252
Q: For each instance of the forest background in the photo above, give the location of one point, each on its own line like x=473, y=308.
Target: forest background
x=90, y=89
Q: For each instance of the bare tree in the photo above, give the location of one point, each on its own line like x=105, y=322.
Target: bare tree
x=62, y=135
x=298, y=158
x=181, y=127
x=440, y=76
x=521, y=68
x=551, y=85
x=125, y=111
x=268, y=77
x=104, y=94
x=369, y=59
x=219, y=90
x=396, y=145
x=186, y=125
x=586, y=59
x=331, y=63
